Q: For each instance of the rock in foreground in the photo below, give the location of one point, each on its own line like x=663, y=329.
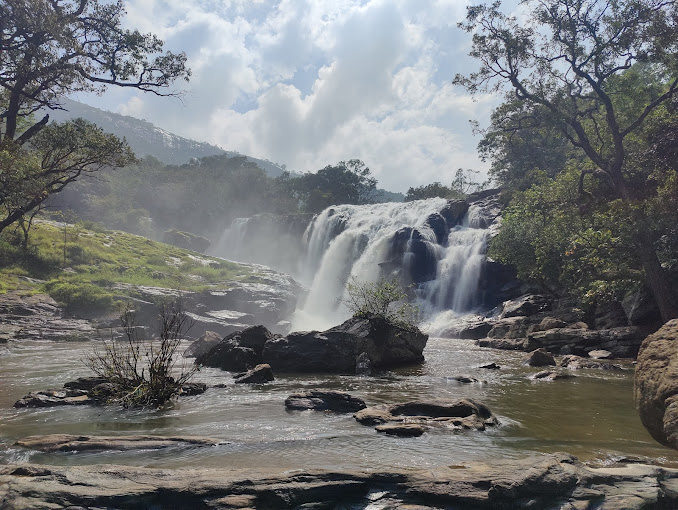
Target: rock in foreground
x=336, y=401
x=74, y=443
x=554, y=481
x=656, y=384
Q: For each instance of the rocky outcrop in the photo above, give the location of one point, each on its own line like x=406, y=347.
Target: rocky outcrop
x=574, y=362
x=552, y=481
x=75, y=443
x=337, y=349
x=318, y=400
x=258, y=375
x=27, y=316
x=656, y=384
x=237, y=352
x=464, y=414
x=53, y=398
x=528, y=304
x=622, y=342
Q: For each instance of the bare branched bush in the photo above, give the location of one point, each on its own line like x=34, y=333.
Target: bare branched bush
x=385, y=298
x=143, y=372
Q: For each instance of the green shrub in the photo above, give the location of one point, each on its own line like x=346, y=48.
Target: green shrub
x=386, y=299
x=79, y=296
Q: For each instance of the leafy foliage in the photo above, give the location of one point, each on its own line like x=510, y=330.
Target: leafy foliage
x=141, y=372
x=596, y=76
x=385, y=299
x=49, y=49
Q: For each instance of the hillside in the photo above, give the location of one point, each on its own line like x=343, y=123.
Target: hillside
x=146, y=139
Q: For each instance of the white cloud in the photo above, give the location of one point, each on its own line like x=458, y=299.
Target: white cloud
x=312, y=82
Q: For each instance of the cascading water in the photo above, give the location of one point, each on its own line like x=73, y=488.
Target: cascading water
x=360, y=242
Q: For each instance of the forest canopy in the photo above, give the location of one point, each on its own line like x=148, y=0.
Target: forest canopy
x=584, y=141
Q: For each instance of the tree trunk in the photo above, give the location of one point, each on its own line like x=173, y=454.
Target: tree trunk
x=656, y=279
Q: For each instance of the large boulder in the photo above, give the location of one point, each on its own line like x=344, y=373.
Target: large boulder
x=528, y=304
x=258, y=375
x=656, y=384
x=337, y=349
x=202, y=345
x=237, y=352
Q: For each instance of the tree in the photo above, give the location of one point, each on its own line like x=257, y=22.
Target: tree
x=347, y=182
x=425, y=191
x=48, y=50
x=570, y=59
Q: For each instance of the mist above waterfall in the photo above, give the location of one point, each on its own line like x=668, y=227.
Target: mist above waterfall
x=434, y=246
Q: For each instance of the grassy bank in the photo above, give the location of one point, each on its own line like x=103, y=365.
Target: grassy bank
x=81, y=266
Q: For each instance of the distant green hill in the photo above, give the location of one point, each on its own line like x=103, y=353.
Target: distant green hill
x=147, y=139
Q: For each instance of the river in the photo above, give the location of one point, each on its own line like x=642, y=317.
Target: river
x=591, y=416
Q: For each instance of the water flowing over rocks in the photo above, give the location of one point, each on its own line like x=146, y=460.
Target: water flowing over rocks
x=74, y=443
x=656, y=384
x=319, y=400
x=549, y=482
x=463, y=414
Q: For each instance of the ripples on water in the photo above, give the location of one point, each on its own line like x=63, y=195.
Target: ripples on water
x=591, y=416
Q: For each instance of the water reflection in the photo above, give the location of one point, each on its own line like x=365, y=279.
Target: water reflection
x=591, y=416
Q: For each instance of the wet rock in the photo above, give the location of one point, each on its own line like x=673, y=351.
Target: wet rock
x=656, y=384
x=474, y=330
x=71, y=443
x=506, y=344
x=237, y=352
x=541, y=358
x=258, y=375
x=85, y=383
x=202, y=345
x=337, y=349
x=363, y=364
x=53, y=398
x=621, y=342
x=544, y=481
x=192, y=388
x=466, y=414
x=600, y=354
x=336, y=401
x=401, y=429
x=526, y=305
x=490, y=366
x=464, y=379
x=102, y=393
x=454, y=211
x=550, y=375
x=574, y=362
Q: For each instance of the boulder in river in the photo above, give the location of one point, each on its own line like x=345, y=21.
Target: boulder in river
x=237, y=352
x=260, y=374
x=656, y=384
x=319, y=400
x=202, y=345
x=541, y=358
x=80, y=443
x=337, y=349
x=465, y=414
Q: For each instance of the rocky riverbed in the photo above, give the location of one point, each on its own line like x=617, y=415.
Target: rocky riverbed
x=547, y=482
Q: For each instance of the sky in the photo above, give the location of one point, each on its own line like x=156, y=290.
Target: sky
x=308, y=83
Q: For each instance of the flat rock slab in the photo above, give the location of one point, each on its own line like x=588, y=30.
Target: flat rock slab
x=71, y=443
x=551, y=375
x=464, y=414
x=546, y=481
x=319, y=400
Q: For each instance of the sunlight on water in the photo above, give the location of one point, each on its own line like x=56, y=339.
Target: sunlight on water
x=591, y=416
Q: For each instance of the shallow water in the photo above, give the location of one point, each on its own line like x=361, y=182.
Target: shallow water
x=591, y=416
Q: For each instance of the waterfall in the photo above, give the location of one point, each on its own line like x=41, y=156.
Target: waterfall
x=444, y=262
